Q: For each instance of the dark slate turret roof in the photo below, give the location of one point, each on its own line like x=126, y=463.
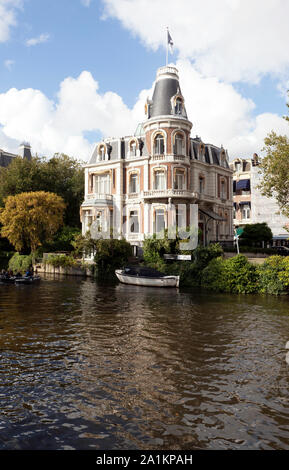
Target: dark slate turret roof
x=166, y=87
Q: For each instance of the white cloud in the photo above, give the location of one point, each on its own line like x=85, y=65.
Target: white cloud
x=38, y=40
x=60, y=126
x=231, y=39
x=86, y=3
x=8, y=17
x=9, y=64
x=220, y=115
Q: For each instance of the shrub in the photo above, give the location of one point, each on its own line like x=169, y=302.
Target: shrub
x=274, y=275
x=235, y=275
x=204, y=254
x=154, y=249
x=20, y=263
x=111, y=254
x=61, y=261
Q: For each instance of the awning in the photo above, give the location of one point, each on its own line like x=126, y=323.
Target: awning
x=245, y=203
x=212, y=215
x=243, y=184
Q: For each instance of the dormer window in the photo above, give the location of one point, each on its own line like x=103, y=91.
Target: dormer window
x=159, y=145
x=133, y=148
x=237, y=166
x=179, y=106
x=101, y=153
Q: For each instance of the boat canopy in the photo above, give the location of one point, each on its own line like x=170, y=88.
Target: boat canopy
x=142, y=271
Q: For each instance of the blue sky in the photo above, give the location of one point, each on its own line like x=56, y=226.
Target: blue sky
x=120, y=44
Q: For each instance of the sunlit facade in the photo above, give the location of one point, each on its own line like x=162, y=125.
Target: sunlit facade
x=142, y=183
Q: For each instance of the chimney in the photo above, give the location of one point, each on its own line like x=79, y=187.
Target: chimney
x=25, y=151
x=255, y=159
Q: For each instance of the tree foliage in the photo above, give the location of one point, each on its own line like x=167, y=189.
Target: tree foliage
x=275, y=169
x=255, y=234
x=30, y=219
x=61, y=175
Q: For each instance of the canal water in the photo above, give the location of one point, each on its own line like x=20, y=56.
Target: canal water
x=96, y=366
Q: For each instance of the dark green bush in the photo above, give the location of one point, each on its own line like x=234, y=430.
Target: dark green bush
x=110, y=254
x=154, y=249
x=235, y=275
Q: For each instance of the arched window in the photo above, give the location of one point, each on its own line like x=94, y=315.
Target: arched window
x=133, y=148
x=179, y=106
x=133, y=183
x=223, y=190
x=159, y=145
x=101, y=153
x=179, y=144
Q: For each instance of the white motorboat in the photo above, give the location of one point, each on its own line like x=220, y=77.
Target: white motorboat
x=143, y=276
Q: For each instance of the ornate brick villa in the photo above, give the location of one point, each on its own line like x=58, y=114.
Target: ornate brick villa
x=136, y=183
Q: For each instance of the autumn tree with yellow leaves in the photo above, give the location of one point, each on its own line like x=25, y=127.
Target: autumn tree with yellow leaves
x=30, y=219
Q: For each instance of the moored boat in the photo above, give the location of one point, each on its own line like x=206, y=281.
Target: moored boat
x=19, y=280
x=143, y=276
x=7, y=279
x=27, y=279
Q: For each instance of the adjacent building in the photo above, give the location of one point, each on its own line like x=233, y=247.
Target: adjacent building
x=250, y=206
x=145, y=182
x=6, y=157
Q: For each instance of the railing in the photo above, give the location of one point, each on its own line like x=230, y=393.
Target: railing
x=169, y=158
x=108, y=197
x=169, y=193
x=158, y=157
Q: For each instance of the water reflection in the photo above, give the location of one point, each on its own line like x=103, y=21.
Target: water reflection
x=89, y=366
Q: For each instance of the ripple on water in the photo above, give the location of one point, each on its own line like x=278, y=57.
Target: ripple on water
x=87, y=366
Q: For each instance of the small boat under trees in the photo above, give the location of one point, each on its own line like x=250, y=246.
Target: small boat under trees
x=19, y=280
x=144, y=276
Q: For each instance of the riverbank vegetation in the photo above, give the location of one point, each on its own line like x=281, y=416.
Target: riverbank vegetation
x=210, y=270
x=60, y=175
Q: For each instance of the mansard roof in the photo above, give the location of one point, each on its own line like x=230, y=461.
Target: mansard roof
x=118, y=148
x=7, y=157
x=210, y=153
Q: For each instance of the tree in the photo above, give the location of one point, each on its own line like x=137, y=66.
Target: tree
x=275, y=169
x=255, y=234
x=61, y=175
x=30, y=219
